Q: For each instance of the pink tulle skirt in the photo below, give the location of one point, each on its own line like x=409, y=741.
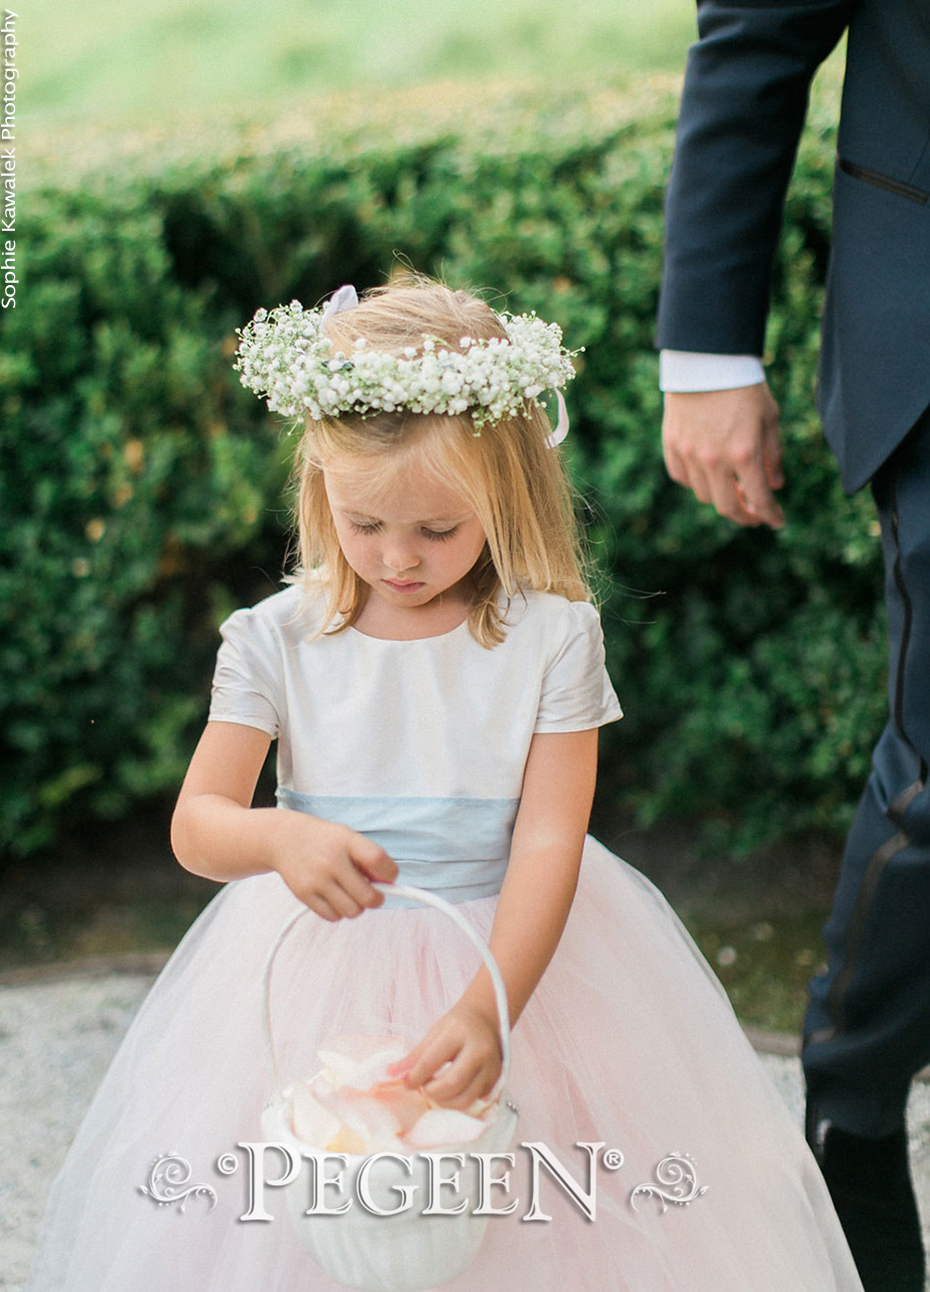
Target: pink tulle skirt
x=628, y=1042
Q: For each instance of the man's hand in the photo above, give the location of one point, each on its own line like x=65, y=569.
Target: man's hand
x=726, y=446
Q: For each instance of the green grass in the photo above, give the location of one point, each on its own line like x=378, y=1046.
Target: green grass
x=43, y=933
x=758, y=920
x=765, y=965
x=153, y=60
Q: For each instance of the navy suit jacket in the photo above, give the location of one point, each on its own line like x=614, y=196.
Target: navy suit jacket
x=742, y=111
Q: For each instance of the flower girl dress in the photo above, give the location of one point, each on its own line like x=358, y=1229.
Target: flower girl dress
x=703, y=1183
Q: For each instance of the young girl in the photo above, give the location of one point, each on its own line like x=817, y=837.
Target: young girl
x=434, y=679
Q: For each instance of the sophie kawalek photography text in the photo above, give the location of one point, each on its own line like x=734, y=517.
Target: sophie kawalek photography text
x=8, y=159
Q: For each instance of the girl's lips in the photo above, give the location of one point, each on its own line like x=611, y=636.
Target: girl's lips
x=410, y=586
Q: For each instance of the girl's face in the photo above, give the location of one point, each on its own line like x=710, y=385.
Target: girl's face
x=411, y=538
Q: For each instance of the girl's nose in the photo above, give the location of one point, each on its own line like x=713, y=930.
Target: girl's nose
x=399, y=557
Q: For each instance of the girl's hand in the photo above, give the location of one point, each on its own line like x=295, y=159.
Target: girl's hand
x=328, y=866
x=458, y=1061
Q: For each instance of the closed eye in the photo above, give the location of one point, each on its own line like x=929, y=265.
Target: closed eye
x=434, y=535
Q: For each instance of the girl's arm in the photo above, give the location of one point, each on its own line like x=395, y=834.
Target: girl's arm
x=216, y=832
x=535, y=899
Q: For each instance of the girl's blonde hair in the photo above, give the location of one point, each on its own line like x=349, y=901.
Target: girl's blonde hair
x=515, y=484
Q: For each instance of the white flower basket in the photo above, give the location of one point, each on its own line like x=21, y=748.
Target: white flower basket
x=406, y=1251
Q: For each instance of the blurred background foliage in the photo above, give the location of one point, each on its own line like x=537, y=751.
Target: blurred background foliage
x=185, y=163
x=160, y=59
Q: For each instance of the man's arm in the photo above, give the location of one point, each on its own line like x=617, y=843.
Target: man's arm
x=742, y=111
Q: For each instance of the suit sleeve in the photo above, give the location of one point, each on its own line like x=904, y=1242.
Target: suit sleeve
x=742, y=111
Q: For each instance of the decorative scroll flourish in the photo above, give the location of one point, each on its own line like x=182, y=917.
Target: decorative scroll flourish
x=167, y=1178
x=676, y=1183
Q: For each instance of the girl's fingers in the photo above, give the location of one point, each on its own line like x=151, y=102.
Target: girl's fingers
x=452, y=1074
x=402, y=1066
x=349, y=890
x=460, y=1086
x=330, y=868
x=321, y=907
x=371, y=858
x=356, y=887
x=429, y=1059
x=342, y=902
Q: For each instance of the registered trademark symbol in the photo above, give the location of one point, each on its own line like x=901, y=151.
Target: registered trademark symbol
x=613, y=1159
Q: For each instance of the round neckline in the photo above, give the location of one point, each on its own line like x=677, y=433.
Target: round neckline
x=403, y=641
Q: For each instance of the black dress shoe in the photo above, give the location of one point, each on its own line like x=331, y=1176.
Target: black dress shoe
x=870, y=1184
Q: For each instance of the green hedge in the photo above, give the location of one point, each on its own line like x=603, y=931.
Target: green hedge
x=143, y=492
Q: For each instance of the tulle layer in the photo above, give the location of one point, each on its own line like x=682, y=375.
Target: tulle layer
x=628, y=1042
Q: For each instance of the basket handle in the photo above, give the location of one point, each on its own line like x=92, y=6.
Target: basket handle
x=425, y=898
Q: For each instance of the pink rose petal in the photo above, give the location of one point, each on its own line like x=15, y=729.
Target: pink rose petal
x=406, y=1105
x=353, y=1102
x=361, y=1061
x=311, y=1121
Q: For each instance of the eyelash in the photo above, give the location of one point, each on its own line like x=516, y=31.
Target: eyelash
x=434, y=535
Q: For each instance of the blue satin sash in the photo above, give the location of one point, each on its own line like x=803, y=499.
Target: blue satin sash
x=456, y=847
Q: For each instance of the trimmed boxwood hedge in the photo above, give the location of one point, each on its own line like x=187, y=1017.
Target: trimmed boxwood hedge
x=143, y=492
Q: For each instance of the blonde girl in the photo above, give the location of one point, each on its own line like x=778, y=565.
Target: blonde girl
x=434, y=678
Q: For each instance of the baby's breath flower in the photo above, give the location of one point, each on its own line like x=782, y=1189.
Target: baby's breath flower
x=285, y=357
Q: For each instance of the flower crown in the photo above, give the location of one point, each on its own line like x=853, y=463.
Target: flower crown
x=285, y=357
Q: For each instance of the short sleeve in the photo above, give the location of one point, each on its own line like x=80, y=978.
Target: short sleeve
x=576, y=692
x=245, y=686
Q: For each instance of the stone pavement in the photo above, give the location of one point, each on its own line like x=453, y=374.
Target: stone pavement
x=56, y=1040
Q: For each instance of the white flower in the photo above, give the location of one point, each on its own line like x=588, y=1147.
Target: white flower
x=284, y=357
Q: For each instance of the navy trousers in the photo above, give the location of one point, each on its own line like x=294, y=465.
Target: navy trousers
x=867, y=1030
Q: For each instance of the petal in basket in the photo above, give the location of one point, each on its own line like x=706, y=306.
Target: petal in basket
x=413, y=1217
x=354, y=1106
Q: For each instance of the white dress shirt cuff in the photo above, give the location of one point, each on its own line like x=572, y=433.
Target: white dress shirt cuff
x=685, y=370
